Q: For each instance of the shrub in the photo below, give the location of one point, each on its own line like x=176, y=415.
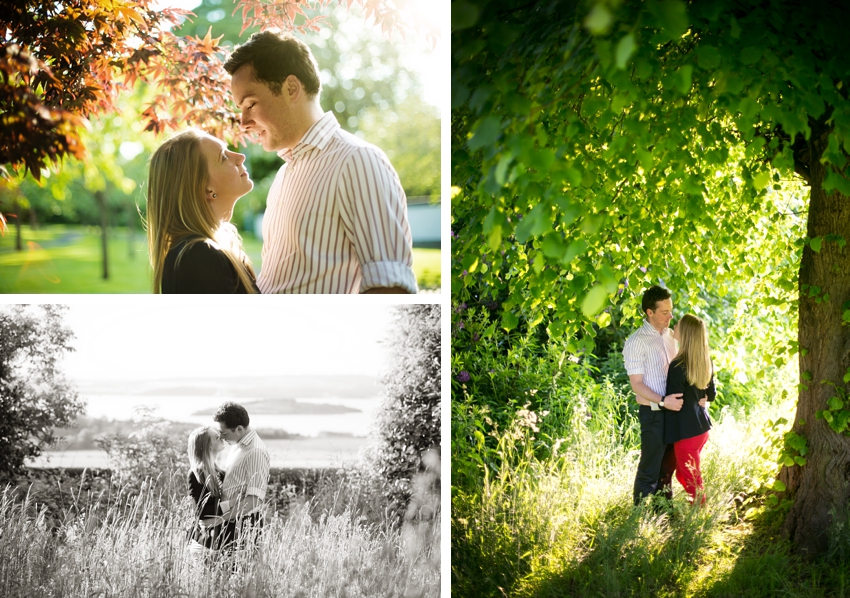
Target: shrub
x=408, y=422
x=154, y=450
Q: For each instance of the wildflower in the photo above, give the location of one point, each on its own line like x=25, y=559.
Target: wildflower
x=460, y=325
x=463, y=376
x=527, y=418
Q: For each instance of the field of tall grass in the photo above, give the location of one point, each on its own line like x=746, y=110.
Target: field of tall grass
x=536, y=513
x=132, y=542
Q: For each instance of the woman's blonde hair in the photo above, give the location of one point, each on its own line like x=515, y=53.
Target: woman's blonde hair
x=202, y=460
x=177, y=208
x=694, y=351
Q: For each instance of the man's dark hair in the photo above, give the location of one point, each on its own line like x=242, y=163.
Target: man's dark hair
x=232, y=415
x=273, y=58
x=652, y=296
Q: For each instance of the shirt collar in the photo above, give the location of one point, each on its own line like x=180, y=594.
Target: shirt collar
x=650, y=328
x=317, y=136
x=247, y=439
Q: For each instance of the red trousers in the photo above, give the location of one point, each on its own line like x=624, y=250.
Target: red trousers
x=687, y=464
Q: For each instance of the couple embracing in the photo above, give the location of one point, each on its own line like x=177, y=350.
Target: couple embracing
x=336, y=217
x=229, y=502
x=672, y=375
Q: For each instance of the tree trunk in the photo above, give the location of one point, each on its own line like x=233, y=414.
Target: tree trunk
x=821, y=488
x=16, y=201
x=104, y=221
x=131, y=231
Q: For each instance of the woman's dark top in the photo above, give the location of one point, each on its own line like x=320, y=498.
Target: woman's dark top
x=202, y=269
x=207, y=505
x=692, y=420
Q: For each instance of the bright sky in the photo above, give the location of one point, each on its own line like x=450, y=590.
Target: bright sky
x=138, y=339
x=432, y=64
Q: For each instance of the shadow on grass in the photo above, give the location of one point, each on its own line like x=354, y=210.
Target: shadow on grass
x=766, y=566
x=634, y=552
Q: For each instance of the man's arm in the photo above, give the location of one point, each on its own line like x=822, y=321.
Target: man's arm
x=387, y=291
x=645, y=395
x=373, y=210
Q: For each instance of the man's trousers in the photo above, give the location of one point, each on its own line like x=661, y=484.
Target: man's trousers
x=657, y=459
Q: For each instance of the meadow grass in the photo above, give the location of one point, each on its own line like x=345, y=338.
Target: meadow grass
x=563, y=524
x=67, y=259
x=135, y=544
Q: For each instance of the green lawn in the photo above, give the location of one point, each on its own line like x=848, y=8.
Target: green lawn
x=67, y=259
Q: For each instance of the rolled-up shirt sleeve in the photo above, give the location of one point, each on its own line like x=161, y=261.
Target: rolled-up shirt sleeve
x=633, y=357
x=373, y=210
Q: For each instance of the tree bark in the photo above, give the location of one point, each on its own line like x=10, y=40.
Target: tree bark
x=131, y=231
x=104, y=222
x=16, y=201
x=821, y=488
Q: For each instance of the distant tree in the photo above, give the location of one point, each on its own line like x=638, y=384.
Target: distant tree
x=408, y=422
x=34, y=395
x=155, y=450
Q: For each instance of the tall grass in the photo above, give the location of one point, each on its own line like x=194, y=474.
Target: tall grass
x=554, y=516
x=135, y=545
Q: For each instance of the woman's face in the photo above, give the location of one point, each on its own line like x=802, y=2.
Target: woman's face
x=228, y=178
x=216, y=443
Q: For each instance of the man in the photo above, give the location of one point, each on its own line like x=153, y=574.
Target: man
x=246, y=473
x=336, y=216
x=647, y=354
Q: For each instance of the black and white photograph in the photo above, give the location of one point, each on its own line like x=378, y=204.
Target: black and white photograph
x=207, y=449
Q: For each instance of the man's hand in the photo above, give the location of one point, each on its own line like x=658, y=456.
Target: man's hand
x=703, y=402
x=387, y=291
x=208, y=522
x=673, y=402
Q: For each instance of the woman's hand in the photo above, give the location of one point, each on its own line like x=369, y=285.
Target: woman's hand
x=703, y=402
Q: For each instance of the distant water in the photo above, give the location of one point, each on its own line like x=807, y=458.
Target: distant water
x=300, y=453
x=181, y=408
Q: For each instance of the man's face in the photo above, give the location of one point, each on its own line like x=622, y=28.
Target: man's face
x=659, y=318
x=268, y=116
x=229, y=435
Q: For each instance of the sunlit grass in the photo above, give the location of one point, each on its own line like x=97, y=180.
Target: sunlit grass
x=67, y=259
x=564, y=525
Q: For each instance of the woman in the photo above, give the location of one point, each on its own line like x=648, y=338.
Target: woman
x=691, y=374
x=194, y=183
x=205, y=480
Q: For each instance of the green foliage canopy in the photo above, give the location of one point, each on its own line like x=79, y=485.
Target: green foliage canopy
x=620, y=147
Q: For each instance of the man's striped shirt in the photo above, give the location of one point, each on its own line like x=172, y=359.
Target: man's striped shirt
x=246, y=473
x=650, y=352
x=336, y=219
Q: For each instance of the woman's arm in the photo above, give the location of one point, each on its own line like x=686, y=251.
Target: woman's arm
x=711, y=392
